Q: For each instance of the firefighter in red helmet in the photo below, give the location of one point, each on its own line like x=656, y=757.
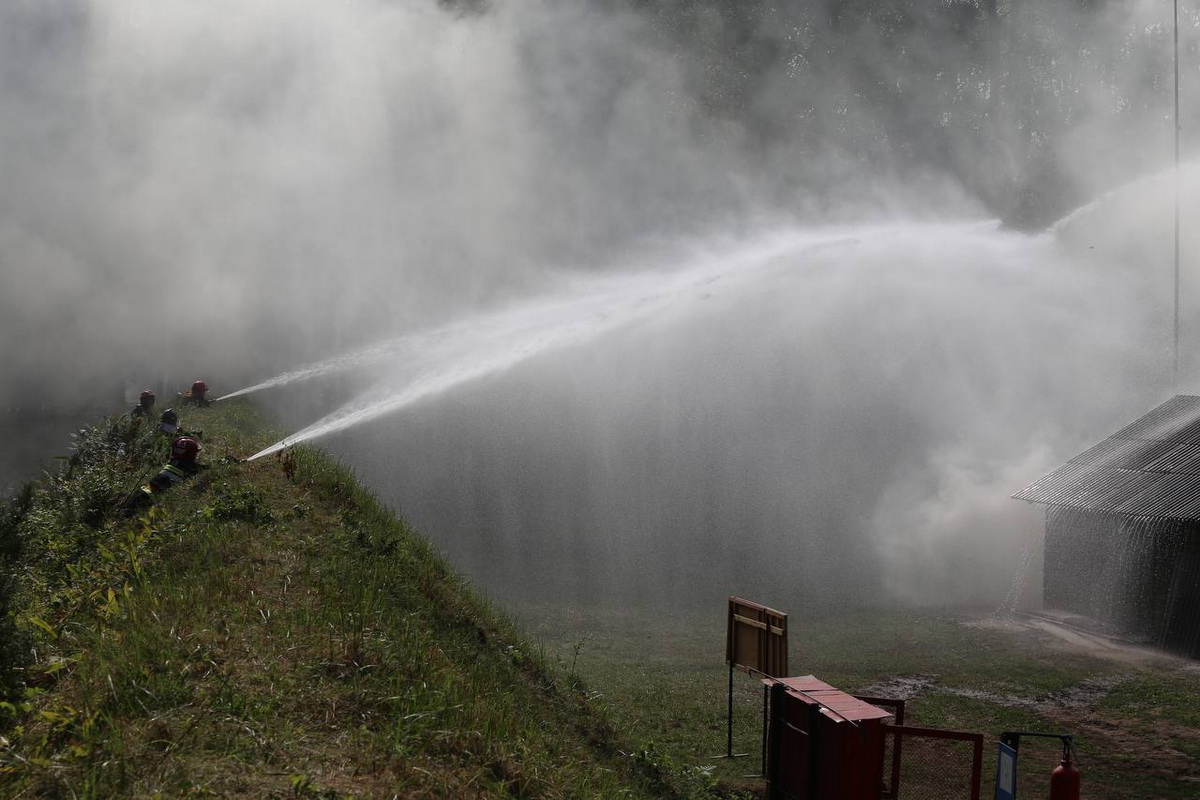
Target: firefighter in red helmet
x=197, y=395
x=184, y=451
x=179, y=468
x=145, y=406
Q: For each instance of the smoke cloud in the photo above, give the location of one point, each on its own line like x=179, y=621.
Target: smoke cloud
x=235, y=191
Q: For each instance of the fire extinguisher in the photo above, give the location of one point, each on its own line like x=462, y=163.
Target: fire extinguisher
x=1064, y=780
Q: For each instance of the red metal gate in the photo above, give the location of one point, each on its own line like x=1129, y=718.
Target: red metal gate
x=932, y=764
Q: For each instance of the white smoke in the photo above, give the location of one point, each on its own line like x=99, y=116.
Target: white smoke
x=239, y=190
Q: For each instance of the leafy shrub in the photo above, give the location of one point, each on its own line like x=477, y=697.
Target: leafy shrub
x=11, y=514
x=13, y=643
x=52, y=529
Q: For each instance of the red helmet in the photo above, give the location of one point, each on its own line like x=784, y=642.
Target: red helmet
x=199, y=387
x=147, y=398
x=185, y=448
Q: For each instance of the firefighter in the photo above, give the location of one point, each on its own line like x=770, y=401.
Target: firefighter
x=197, y=394
x=168, y=423
x=179, y=468
x=183, y=457
x=145, y=406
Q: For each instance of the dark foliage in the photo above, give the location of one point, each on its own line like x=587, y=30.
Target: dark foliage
x=51, y=526
x=13, y=644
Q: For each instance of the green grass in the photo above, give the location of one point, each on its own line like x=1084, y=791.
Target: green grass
x=1137, y=738
x=269, y=629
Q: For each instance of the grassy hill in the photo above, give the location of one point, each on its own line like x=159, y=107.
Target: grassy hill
x=268, y=629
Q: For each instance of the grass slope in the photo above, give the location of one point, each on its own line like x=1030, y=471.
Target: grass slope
x=268, y=630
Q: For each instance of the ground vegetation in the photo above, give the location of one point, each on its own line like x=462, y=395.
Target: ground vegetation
x=268, y=629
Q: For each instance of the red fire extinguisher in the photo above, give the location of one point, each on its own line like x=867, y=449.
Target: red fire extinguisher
x=1064, y=780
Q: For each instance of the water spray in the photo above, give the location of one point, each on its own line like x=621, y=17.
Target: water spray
x=440, y=360
x=342, y=363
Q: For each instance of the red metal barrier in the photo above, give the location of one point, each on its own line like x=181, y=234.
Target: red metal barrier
x=900, y=733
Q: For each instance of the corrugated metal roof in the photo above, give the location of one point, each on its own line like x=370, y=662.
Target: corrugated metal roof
x=1178, y=419
x=1149, y=468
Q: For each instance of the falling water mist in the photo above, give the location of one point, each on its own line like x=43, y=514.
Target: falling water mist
x=837, y=414
x=615, y=301
x=431, y=363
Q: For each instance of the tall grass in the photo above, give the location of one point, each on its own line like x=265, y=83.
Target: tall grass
x=269, y=629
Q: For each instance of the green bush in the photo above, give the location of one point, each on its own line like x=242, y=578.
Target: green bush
x=240, y=504
x=54, y=532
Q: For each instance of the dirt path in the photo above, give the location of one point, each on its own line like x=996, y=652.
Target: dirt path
x=1073, y=633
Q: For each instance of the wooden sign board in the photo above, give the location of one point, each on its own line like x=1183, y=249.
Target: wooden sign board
x=756, y=640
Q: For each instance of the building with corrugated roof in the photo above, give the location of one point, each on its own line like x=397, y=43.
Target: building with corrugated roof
x=1122, y=545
